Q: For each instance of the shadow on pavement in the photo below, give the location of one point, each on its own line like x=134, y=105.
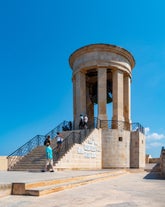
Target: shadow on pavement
x=153, y=175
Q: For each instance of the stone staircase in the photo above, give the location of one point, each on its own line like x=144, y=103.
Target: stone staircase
x=86, y=155
x=34, y=161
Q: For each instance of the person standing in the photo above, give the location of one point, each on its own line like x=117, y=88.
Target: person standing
x=49, y=158
x=70, y=125
x=47, y=140
x=81, y=122
x=85, y=122
x=59, y=141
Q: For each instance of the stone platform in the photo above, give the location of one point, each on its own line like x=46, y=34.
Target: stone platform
x=132, y=189
x=41, y=183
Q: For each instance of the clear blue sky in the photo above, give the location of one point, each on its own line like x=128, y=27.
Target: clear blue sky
x=36, y=40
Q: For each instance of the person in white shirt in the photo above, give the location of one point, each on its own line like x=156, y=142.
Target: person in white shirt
x=85, y=121
x=59, y=140
x=81, y=123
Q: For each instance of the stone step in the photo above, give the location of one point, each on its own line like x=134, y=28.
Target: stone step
x=33, y=159
x=31, y=162
x=37, y=157
x=27, y=167
x=30, y=167
x=47, y=187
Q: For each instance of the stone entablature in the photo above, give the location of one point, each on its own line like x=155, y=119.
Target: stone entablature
x=101, y=55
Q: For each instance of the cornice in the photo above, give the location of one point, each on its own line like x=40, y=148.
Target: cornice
x=102, y=48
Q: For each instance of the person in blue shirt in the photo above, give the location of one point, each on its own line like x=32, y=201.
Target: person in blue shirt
x=49, y=157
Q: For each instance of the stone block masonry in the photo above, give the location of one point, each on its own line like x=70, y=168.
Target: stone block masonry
x=87, y=155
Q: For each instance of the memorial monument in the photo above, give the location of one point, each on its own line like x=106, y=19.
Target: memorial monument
x=102, y=74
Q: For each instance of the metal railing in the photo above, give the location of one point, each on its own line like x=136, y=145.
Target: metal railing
x=73, y=138
x=113, y=124
x=36, y=141
x=121, y=125
x=17, y=155
x=137, y=127
x=64, y=126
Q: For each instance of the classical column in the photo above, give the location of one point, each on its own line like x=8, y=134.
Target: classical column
x=80, y=97
x=89, y=109
x=118, y=98
x=127, y=101
x=74, y=102
x=102, y=94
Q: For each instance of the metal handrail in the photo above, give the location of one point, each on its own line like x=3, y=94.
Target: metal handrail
x=22, y=151
x=73, y=138
x=36, y=141
x=137, y=127
x=79, y=137
x=122, y=125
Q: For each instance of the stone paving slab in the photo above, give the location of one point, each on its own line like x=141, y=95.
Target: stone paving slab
x=128, y=190
x=51, y=186
x=8, y=177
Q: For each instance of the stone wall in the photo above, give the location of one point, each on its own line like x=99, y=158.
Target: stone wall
x=115, y=148
x=3, y=163
x=154, y=160
x=87, y=155
x=137, y=150
x=104, y=148
x=107, y=148
x=162, y=163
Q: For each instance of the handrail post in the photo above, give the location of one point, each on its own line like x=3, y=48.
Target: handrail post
x=80, y=137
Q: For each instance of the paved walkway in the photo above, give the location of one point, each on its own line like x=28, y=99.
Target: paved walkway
x=128, y=190
x=8, y=177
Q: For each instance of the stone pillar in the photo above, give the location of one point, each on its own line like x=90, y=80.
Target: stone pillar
x=118, y=99
x=102, y=94
x=89, y=109
x=74, y=102
x=127, y=102
x=80, y=97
